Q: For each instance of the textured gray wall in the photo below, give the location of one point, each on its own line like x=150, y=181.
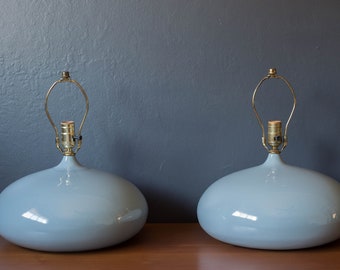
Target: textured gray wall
x=170, y=84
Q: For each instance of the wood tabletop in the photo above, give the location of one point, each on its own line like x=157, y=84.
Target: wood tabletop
x=173, y=246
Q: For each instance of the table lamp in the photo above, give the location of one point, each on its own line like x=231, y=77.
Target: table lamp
x=272, y=206
x=69, y=207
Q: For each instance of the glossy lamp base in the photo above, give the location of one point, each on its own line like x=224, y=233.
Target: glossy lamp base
x=71, y=208
x=272, y=206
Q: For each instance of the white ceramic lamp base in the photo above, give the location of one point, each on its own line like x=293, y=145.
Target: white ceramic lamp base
x=71, y=208
x=272, y=206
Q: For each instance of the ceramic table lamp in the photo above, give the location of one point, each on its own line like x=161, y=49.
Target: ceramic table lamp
x=70, y=207
x=274, y=205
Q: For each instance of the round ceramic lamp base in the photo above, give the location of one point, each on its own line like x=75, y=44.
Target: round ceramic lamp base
x=71, y=208
x=272, y=206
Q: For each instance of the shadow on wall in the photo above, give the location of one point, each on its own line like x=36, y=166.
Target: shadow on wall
x=327, y=159
x=166, y=201
x=326, y=156
x=164, y=179
x=165, y=207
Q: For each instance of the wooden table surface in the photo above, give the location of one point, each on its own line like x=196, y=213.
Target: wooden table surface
x=172, y=246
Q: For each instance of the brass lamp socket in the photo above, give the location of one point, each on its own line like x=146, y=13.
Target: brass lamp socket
x=274, y=135
x=68, y=140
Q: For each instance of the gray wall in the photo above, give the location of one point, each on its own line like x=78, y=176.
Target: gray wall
x=170, y=84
